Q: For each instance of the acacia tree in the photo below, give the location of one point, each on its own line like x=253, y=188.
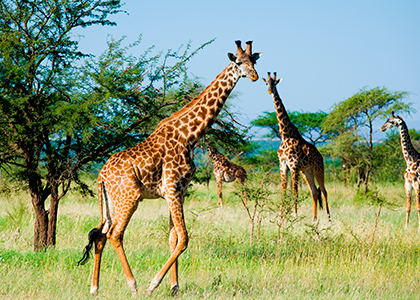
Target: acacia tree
x=61, y=109
x=309, y=125
x=353, y=121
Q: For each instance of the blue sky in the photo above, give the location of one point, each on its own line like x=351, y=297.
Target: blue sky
x=325, y=50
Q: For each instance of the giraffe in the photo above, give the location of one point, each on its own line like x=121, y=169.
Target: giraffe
x=297, y=155
x=161, y=167
x=224, y=170
x=412, y=159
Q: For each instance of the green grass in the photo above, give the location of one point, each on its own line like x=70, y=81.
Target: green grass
x=329, y=261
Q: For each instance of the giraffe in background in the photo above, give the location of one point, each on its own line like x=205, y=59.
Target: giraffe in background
x=297, y=155
x=224, y=170
x=161, y=167
x=412, y=159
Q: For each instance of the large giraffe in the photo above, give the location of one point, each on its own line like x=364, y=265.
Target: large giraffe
x=297, y=155
x=161, y=167
x=224, y=170
x=412, y=159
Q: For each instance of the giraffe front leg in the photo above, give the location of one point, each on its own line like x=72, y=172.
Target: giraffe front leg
x=219, y=191
x=173, y=239
x=116, y=239
x=295, y=182
x=284, y=172
x=408, y=188
x=180, y=229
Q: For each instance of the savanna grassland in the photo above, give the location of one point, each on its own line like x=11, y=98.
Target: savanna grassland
x=360, y=255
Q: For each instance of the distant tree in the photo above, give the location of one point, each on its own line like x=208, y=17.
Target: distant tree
x=352, y=121
x=263, y=160
x=309, y=125
x=61, y=109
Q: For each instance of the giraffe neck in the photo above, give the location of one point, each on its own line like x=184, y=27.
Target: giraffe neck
x=196, y=117
x=286, y=127
x=409, y=152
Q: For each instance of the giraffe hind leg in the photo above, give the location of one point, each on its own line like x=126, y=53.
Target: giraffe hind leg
x=323, y=192
x=99, y=247
x=417, y=191
x=319, y=198
x=308, y=176
x=115, y=236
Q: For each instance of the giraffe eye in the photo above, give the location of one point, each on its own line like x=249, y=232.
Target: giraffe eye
x=238, y=62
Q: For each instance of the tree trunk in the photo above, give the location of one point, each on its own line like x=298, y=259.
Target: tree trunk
x=368, y=169
x=41, y=223
x=52, y=225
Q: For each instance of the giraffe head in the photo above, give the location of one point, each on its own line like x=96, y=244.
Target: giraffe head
x=211, y=150
x=393, y=121
x=245, y=60
x=271, y=82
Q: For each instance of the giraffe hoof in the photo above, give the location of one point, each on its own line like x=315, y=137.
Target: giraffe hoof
x=94, y=291
x=148, y=292
x=174, y=290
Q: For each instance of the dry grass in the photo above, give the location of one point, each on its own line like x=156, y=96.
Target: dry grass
x=336, y=261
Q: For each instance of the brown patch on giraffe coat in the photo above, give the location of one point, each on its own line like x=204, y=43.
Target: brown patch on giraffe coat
x=211, y=102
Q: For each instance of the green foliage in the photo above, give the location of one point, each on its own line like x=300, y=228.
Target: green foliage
x=365, y=106
x=280, y=212
x=309, y=124
x=62, y=110
x=268, y=120
x=253, y=193
x=351, y=123
x=264, y=160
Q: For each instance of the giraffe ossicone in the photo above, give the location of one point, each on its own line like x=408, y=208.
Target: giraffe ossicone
x=161, y=167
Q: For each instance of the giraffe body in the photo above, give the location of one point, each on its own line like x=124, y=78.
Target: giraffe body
x=161, y=167
x=412, y=159
x=225, y=171
x=297, y=155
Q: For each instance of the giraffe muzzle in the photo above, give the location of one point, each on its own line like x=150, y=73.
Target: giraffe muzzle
x=253, y=76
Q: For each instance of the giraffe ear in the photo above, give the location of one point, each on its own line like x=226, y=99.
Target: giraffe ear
x=265, y=80
x=256, y=56
x=279, y=80
x=232, y=57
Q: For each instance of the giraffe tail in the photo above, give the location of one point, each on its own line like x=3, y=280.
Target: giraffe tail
x=319, y=198
x=95, y=233
x=92, y=236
